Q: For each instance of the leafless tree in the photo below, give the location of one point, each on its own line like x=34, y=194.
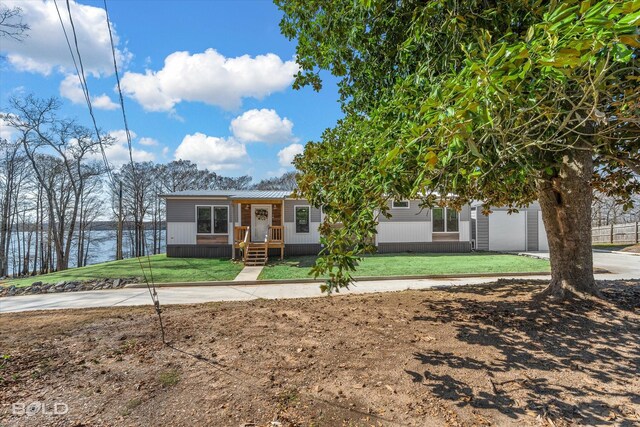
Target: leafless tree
x=285, y=182
x=63, y=174
x=11, y=24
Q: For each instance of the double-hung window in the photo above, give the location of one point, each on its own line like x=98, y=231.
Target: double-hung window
x=445, y=220
x=302, y=217
x=220, y=219
x=212, y=219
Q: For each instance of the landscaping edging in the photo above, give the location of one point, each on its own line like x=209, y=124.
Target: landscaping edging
x=64, y=286
x=356, y=279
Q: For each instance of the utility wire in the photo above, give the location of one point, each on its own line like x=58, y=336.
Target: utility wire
x=83, y=85
x=79, y=66
x=151, y=287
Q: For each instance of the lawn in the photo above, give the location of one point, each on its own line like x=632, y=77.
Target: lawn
x=165, y=270
x=414, y=264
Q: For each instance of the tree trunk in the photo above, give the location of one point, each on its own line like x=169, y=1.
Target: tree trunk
x=565, y=201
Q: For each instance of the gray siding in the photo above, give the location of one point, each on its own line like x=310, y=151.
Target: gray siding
x=181, y=210
x=532, y=229
x=482, y=231
x=465, y=213
x=424, y=247
x=289, y=206
x=414, y=213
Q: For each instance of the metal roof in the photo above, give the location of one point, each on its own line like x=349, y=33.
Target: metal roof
x=231, y=194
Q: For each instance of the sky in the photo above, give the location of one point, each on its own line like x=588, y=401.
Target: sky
x=207, y=81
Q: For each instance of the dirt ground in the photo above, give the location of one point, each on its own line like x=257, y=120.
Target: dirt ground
x=474, y=355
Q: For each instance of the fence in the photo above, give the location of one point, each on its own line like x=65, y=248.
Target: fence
x=616, y=233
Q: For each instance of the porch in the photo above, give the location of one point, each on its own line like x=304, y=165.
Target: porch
x=260, y=228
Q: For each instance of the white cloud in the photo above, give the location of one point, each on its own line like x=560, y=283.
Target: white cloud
x=120, y=135
x=262, y=126
x=118, y=153
x=149, y=142
x=286, y=155
x=70, y=88
x=45, y=49
x=209, y=77
x=6, y=131
x=103, y=102
x=212, y=152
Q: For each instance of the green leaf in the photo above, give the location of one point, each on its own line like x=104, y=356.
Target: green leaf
x=530, y=32
x=492, y=59
x=584, y=6
x=473, y=147
x=630, y=19
x=622, y=53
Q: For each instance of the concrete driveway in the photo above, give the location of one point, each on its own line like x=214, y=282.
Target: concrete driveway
x=621, y=266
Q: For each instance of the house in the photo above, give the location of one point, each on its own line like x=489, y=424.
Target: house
x=259, y=224
x=505, y=232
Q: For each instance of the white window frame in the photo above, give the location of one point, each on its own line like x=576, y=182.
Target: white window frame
x=213, y=216
x=295, y=219
x=444, y=212
x=393, y=204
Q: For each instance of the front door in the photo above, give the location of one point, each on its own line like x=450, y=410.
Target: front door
x=260, y=222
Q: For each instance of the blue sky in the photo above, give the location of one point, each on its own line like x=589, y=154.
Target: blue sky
x=207, y=81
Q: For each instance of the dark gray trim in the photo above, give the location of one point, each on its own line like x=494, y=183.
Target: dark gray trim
x=422, y=247
x=482, y=231
x=532, y=230
x=199, y=251
x=302, y=249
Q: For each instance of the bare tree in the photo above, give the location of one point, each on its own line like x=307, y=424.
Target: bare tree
x=63, y=175
x=11, y=24
x=285, y=182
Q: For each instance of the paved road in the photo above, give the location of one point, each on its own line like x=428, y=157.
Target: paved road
x=622, y=266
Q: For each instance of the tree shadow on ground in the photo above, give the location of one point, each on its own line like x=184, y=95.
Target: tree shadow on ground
x=597, y=339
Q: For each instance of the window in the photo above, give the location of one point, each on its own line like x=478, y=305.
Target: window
x=220, y=219
x=204, y=219
x=445, y=220
x=452, y=220
x=302, y=219
x=214, y=218
x=400, y=204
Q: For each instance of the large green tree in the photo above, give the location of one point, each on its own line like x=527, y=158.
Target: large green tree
x=505, y=102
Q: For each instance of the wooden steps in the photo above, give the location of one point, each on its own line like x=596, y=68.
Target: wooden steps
x=256, y=254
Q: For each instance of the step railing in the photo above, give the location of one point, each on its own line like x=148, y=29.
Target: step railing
x=246, y=243
x=239, y=233
x=276, y=233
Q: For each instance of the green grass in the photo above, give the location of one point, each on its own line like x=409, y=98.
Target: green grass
x=165, y=270
x=414, y=264
x=169, y=378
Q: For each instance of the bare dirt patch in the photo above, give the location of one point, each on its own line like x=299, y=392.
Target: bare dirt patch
x=474, y=355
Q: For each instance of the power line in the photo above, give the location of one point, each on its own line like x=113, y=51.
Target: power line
x=150, y=287
x=85, y=89
x=115, y=67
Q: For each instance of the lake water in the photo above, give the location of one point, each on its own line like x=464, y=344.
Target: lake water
x=102, y=247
